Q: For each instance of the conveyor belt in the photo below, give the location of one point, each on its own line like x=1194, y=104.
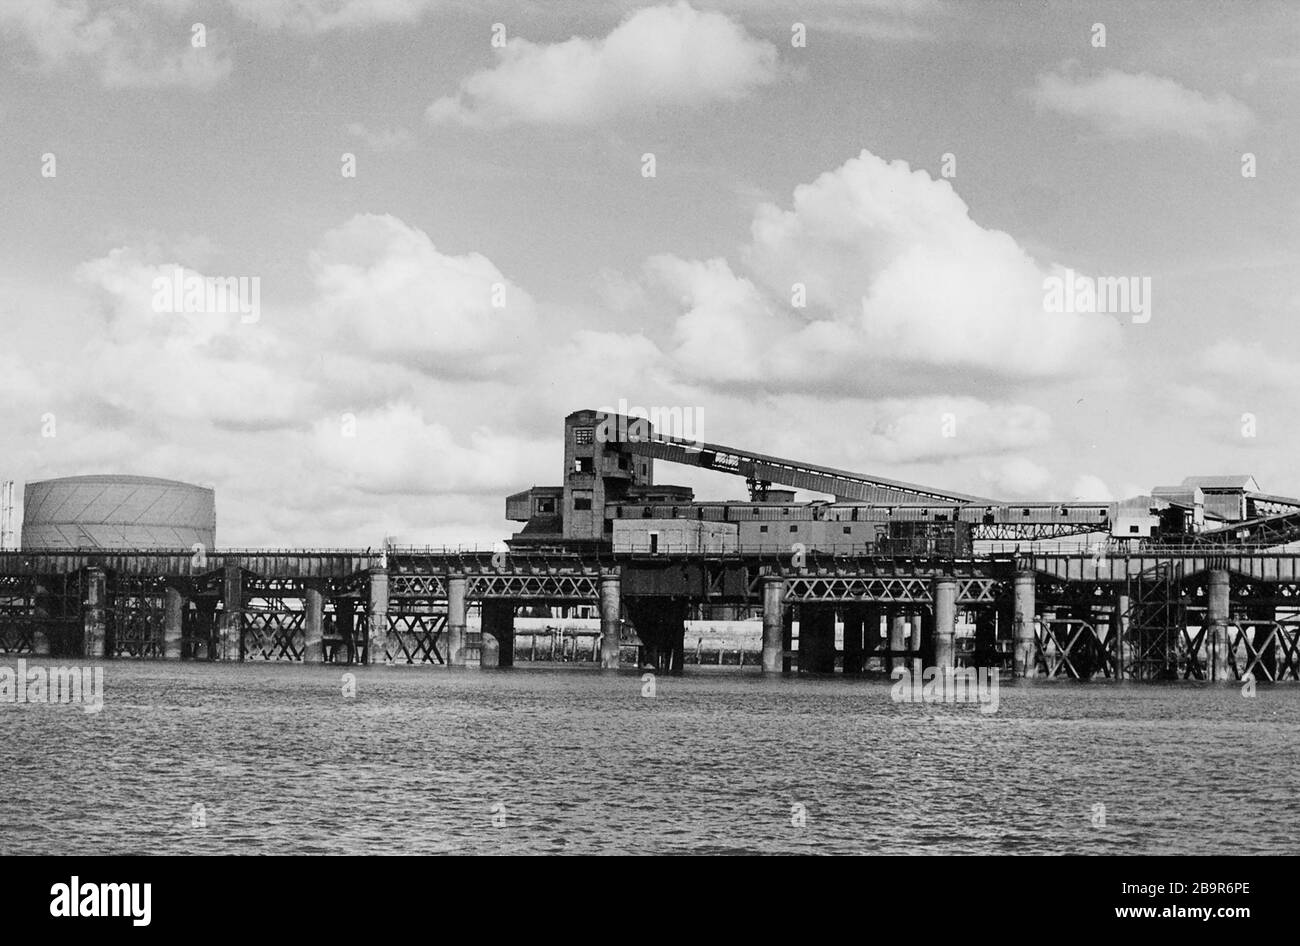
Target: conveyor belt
x=759, y=468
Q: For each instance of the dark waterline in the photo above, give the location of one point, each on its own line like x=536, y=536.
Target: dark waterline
x=420, y=760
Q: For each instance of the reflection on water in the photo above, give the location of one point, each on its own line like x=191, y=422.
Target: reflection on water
x=275, y=759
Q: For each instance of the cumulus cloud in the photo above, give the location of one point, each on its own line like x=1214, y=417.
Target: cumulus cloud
x=1135, y=105
x=179, y=364
x=148, y=45
x=385, y=285
x=1090, y=488
x=1249, y=364
x=129, y=47
x=935, y=428
x=395, y=449
x=288, y=423
x=398, y=398
x=1017, y=478
x=666, y=55
x=901, y=288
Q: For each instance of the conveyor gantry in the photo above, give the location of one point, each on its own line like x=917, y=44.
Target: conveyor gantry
x=759, y=468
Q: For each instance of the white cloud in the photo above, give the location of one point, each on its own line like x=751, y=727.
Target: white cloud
x=1090, y=488
x=903, y=290
x=1249, y=364
x=1017, y=478
x=256, y=409
x=666, y=55
x=449, y=394
x=394, y=449
x=934, y=428
x=1128, y=105
x=129, y=47
x=387, y=286
x=183, y=365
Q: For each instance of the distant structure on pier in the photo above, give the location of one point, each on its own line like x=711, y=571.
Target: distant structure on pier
x=609, y=500
x=117, y=512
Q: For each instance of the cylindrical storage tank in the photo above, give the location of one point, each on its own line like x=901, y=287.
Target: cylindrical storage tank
x=118, y=512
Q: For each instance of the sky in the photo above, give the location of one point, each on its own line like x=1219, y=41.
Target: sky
x=826, y=229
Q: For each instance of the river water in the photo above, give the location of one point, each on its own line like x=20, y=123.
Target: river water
x=221, y=758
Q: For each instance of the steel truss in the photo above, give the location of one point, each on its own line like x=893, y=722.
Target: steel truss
x=1271, y=651
x=1033, y=531
x=48, y=608
x=1157, y=618
x=888, y=590
x=582, y=589
x=1073, y=647
x=135, y=616
x=413, y=637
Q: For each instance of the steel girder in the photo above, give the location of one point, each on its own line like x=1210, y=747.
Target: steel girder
x=903, y=590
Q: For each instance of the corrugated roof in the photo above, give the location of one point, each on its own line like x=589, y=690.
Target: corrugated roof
x=1274, y=499
x=1229, y=481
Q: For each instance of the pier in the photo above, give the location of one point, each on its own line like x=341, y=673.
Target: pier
x=1191, y=614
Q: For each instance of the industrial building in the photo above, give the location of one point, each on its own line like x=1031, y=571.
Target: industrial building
x=1198, y=580
x=609, y=499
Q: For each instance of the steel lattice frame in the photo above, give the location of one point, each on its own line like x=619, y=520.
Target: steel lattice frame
x=887, y=590
x=270, y=629
x=1034, y=531
x=136, y=616
x=1073, y=647
x=1157, y=618
x=425, y=587
x=17, y=615
x=568, y=588
x=1246, y=655
x=413, y=638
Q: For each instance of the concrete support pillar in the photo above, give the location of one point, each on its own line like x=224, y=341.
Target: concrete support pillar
x=498, y=649
x=870, y=634
x=1005, y=616
x=897, y=639
x=920, y=644
x=205, y=629
x=854, y=617
x=94, y=618
x=1119, y=624
x=232, y=617
x=787, y=639
x=677, y=637
x=986, y=637
x=489, y=647
x=313, y=626
x=817, y=638
x=173, y=624
x=1218, y=640
x=505, y=634
x=611, y=623
x=345, y=626
x=41, y=646
x=1024, y=659
x=945, y=622
x=377, y=617
x=774, y=611
x=457, y=608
